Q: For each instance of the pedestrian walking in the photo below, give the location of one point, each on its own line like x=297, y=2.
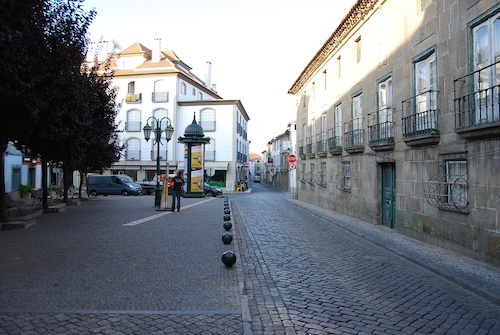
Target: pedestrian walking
x=176, y=191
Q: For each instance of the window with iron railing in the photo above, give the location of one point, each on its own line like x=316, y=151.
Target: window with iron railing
x=343, y=179
x=477, y=100
x=321, y=143
x=354, y=133
x=420, y=114
x=448, y=189
x=381, y=126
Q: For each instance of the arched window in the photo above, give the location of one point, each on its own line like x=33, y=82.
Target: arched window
x=207, y=119
x=133, y=120
x=160, y=93
x=183, y=88
x=133, y=149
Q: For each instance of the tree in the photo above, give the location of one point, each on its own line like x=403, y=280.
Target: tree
x=22, y=35
x=45, y=44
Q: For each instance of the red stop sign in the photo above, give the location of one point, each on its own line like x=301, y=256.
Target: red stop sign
x=292, y=158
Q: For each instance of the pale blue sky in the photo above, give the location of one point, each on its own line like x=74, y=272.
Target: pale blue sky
x=257, y=48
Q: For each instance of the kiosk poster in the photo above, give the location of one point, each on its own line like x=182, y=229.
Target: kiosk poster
x=196, y=157
x=197, y=180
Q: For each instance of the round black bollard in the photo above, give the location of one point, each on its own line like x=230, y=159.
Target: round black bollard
x=228, y=225
x=227, y=211
x=227, y=217
x=227, y=238
x=228, y=258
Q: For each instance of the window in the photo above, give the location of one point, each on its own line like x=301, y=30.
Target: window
x=207, y=119
x=304, y=137
x=448, y=190
x=426, y=93
x=456, y=180
x=355, y=126
x=322, y=176
x=346, y=185
x=303, y=173
x=160, y=114
x=131, y=87
x=339, y=66
x=321, y=144
x=324, y=80
x=486, y=48
x=160, y=93
x=16, y=178
x=193, y=92
x=131, y=96
x=200, y=96
x=133, y=120
x=384, y=127
x=133, y=149
x=310, y=178
x=183, y=88
x=358, y=49
x=337, y=128
x=210, y=150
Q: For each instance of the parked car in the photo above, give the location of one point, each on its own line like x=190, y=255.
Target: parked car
x=112, y=184
x=256, y=178
x=211, y=191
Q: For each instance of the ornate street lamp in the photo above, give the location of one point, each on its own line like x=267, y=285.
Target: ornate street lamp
x=169, y=130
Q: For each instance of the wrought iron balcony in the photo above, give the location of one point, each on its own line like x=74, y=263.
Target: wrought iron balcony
x=420, y=119
x=477, y=103
x=381, y=129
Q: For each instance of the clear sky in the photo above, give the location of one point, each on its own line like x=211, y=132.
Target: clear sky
x=257, y=48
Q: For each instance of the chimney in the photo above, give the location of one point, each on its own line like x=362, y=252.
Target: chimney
x=155, y=57
x=208, y=78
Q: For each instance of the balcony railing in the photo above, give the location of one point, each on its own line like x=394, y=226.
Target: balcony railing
x=334, y=141
x=209, y=155
x=159, y=96
x=163, y=154
x=133, y=126
x=321, y=144
x=381, y=126
x=132, y=154
x=477, y=100
x=133, y=98
x=208, y=125
x=420, y=115
x=309, y=146
x=354, y=133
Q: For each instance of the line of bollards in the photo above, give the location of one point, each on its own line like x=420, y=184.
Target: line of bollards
x=228, y=257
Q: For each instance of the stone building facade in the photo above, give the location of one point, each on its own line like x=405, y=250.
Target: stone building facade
x=398, y=121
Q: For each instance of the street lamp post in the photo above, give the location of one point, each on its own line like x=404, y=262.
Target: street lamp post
x=169, y=130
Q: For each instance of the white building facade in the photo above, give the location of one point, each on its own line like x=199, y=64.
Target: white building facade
x=158, y=84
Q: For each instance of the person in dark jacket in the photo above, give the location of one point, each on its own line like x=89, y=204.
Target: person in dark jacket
x=176, y=191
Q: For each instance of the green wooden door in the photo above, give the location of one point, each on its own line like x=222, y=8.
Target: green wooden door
x=388, y=194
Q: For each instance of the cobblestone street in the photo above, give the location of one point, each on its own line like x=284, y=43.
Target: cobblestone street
x=306, y=274
x=114, y=265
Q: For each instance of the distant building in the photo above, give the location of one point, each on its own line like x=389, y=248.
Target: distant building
x=279, y=171
x=156, y=83
x=398, y=121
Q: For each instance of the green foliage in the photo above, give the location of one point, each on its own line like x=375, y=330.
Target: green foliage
x=25, y=189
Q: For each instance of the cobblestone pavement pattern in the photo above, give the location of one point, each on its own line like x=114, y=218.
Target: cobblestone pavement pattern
x=115, y=266
x=83, y=272
x=306, y=274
